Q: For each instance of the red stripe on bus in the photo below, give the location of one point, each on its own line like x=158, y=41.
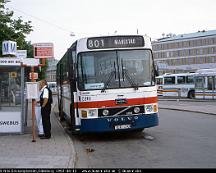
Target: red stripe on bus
x=112, y=103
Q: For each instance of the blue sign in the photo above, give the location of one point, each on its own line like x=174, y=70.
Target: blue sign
x=9, y=48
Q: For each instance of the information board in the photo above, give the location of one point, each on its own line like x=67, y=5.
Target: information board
x=43, y=50
x=32, y=89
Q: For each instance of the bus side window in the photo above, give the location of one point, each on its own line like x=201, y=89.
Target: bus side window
x=169, y=80
x=189, y=79
x=199, y=82
x=180, y=79
x=211, y=83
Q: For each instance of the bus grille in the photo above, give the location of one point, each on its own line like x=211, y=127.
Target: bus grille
x=129, y=110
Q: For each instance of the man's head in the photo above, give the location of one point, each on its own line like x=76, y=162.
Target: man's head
x=43, y=82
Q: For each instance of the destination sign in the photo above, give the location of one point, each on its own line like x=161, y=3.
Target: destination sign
x=115, y=42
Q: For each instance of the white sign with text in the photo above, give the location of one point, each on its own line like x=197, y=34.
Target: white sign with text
x=10, y=122
x=32, y=89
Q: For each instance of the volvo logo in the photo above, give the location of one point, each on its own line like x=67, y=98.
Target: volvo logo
x=122, y=119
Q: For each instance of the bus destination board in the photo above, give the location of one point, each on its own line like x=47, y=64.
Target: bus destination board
x=115, y=42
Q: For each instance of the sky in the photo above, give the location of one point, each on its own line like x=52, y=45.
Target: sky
x=57, y=21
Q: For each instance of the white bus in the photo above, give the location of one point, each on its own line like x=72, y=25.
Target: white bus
x=178, y=85
x=159, y=84
x=205, y=84
x=107, y=84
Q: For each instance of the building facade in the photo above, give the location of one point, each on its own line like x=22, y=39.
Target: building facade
x=185, y=52
x=51, y=70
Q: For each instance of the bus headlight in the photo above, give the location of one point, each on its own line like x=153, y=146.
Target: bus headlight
x=92, y=113
x=136, y=110
x=105, y=112
x=151, y=108
x=89, y=113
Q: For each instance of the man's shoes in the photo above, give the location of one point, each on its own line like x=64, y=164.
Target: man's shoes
x=40, y=135
x=45, y=137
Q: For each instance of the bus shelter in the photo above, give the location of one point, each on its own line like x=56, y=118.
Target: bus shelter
x=11, y=96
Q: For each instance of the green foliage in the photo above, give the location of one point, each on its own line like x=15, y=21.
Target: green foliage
x=14, y=29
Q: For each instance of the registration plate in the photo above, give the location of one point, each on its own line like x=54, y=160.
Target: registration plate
x=123, y=126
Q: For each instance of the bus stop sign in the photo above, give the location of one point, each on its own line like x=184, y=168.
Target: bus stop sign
x=43, y=50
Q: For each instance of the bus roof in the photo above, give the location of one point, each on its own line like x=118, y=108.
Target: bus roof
x=178, y=74
x=206, y=72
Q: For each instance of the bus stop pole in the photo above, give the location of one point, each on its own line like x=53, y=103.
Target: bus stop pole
x=33, y=108
x=33, y=100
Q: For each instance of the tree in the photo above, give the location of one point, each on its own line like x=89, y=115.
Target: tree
x=13, y=29
x=16, y=30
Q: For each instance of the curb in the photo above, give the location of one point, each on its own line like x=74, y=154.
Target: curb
x=186, y=100
x=72, y=160
x=186, y=110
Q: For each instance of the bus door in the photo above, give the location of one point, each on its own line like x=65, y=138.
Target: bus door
x=73, y=90
x=61, y=114
x=210, y=87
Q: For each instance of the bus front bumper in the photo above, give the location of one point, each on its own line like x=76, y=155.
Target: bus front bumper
x=121, y=123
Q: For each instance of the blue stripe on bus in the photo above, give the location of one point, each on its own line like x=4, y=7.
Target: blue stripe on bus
x=106, y=125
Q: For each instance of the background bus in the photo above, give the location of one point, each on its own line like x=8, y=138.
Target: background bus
x=107, y=84
x=160, y=83
x=53, y=87
x=179, y=85
x=205, y=84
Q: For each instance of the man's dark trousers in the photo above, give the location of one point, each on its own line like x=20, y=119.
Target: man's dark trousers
x=45, y=112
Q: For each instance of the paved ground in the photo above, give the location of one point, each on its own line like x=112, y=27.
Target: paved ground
x=199, y=106
x=18, y=151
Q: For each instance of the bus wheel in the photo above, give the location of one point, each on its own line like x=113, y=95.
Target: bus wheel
x=191, y=94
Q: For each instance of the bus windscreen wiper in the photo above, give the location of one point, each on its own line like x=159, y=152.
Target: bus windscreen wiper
x=129, y=78
x=111, y=75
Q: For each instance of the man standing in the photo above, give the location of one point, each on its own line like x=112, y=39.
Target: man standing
x=45, y=102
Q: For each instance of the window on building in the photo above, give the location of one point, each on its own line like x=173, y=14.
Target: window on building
x=214, y=40
x=199, y=42
x=167, y=55
x=180, y=45
x=210, y=41
x=191, y=43
x=204, y=42
x=201, y=51
x=185, y=61
x=186, y=44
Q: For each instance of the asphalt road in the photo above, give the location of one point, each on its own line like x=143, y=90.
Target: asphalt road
x=182, y=140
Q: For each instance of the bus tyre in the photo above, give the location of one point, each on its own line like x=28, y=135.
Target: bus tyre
x=191, y=94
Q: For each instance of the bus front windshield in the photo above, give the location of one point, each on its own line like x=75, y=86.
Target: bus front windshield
x=115, y=69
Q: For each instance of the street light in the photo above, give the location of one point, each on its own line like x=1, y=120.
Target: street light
x=72, y=34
